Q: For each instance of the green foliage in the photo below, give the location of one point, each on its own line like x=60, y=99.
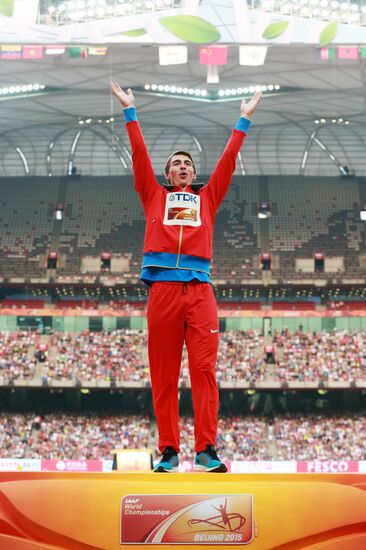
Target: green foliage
x=134, y=33
x=274, y=30
x=191, y=28
x=328, y=33
x=6, y=7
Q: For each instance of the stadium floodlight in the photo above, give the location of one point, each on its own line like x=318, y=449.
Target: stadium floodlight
x=21, y=89
x=199, y=94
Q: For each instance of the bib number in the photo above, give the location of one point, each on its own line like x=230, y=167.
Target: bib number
x=182, y=209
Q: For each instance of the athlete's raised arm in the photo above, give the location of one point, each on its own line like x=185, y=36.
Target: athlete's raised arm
x=221, y=177
x=144, y=176
x=126, y=99
x=248, y=109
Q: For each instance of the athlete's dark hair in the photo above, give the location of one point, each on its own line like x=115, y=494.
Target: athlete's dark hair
x=167, y=165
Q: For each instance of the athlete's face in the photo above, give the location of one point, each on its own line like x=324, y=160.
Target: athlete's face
x=181, y=171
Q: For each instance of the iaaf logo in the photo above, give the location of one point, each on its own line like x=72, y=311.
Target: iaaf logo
x=223, y=521
x=187, y=519
x=186, y=197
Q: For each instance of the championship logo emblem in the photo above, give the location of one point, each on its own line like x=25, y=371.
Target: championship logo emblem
x=189, y=519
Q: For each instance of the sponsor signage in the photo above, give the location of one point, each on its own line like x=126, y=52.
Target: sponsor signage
x=182, y=208
x=328, y=466
x=187, y=519
x=19, y=465
x=72, y=465
x=264, y=467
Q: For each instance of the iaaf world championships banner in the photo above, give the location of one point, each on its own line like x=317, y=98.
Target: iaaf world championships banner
x=179, y=22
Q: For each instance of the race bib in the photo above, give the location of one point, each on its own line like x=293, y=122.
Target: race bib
x=182, y=208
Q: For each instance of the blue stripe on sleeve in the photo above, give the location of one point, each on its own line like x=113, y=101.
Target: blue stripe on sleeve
x=130, y=114
x=243, y=124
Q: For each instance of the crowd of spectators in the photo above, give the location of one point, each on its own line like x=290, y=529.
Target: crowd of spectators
x=101, y=356
x=240, y=357
x=89, y=437
x=328, y=356
x=16, y=358
x=92, y=437
x=15, y=435
x=321, y=438
x=237, y=438
x=121, y=356
x=56, y=436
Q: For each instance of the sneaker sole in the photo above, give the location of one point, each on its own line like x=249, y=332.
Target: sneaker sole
x=161, y=469
x=219, y=469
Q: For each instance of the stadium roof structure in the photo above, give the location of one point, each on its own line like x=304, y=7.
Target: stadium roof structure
x=314, y=124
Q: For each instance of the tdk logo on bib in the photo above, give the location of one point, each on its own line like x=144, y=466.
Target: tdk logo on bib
x=185, y=197
x=182, y=209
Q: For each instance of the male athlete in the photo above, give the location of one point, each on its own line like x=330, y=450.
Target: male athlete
x=176, y=265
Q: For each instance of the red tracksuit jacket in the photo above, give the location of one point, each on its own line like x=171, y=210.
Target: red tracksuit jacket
x=180, y=237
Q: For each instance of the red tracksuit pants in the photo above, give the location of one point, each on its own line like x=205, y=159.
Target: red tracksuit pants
x=179, y=312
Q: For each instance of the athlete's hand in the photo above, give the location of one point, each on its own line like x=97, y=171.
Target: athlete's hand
x=125, y=99
x=248, y=109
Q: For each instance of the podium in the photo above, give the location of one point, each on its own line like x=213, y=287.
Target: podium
x=109, y=511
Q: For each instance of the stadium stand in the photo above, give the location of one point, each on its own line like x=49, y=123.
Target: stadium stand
x=103, y=214
x=17, y=360
x=92, y=436
x=121, y=356
x=27, y=207
x=315, y=215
